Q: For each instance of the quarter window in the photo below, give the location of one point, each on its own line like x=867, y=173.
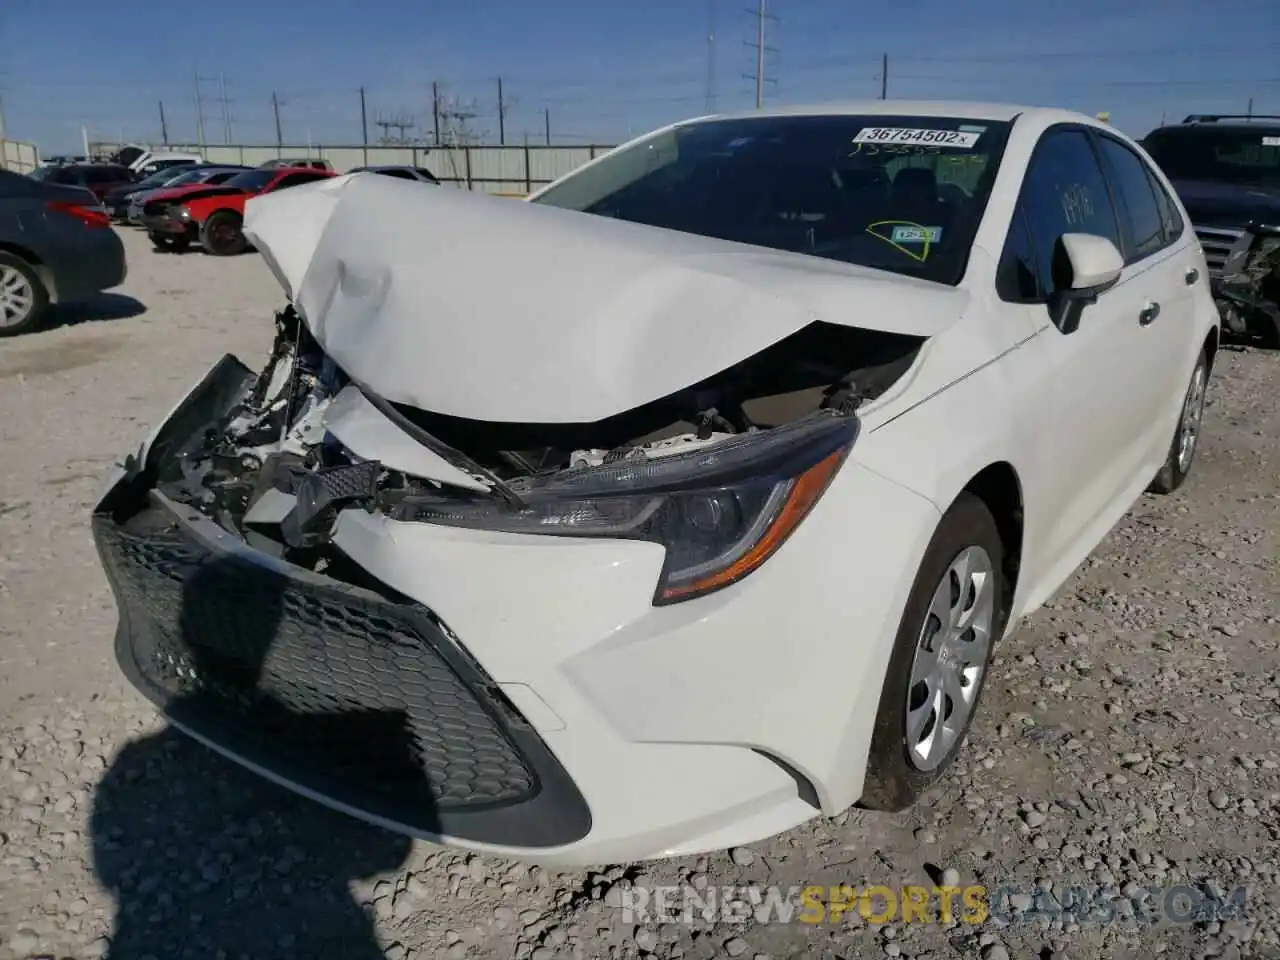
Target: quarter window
x=1064, y=192
x=1016, y=281
x=1168, y=209
x=1144, y=223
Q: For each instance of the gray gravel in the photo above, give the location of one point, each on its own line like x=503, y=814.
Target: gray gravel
x=1129, y=738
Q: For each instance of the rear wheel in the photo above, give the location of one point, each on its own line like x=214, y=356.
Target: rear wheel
x=221, y=234
x=23, y=298
x=1186, y=437
x=953, y=618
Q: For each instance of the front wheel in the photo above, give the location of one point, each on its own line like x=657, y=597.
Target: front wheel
x=1186, y=437
x=23, y=298
x=953, y=618
x=222, y=236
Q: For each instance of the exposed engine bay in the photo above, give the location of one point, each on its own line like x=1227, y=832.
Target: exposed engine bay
x=271, y=472
x=1248, y=291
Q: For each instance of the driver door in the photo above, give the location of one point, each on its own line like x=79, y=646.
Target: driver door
x=1099, y=393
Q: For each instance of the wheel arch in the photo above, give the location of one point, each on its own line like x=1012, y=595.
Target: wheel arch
x=999, y=487
x=38, y=266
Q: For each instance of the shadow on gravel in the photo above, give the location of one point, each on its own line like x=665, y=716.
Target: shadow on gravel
x=105, y=306
x=206, y=859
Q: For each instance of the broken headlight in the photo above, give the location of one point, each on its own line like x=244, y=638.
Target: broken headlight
x=720, y=510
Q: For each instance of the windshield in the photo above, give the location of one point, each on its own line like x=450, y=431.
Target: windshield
x=161, y=178
x=251, y=179
x=1236, y=156
x=43, y=173
x=894, y=193
x=189, y=176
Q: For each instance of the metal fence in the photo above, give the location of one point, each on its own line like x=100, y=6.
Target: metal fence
x=18, y=156
x=505, y=170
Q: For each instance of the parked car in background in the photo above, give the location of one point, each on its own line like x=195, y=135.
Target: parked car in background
x=298, y=163
x=116, y=200
x=205, y=174
x=940, y=350
x=151, y=161
x=1226, y=170
x=56, y=245
x=214, y=215
x=421, y=174
x=98, y=178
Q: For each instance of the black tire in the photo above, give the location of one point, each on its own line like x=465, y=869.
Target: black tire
x=168, y=243
x=1176, y=467
x=20, y=279
x=221, y=234
x=895, y=780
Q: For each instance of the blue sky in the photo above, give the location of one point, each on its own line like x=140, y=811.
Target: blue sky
x=608, y=69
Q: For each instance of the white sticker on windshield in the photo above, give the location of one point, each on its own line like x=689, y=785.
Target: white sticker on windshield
x=1271, y=141
x=916, y=137
x=914, y=234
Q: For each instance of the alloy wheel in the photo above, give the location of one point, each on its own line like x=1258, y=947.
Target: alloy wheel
x=17, y=298
x=950, y=659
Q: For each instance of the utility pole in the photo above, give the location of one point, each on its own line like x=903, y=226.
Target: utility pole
x=199, y=112
x=435, y=109
x=1249, y=112
x=546, y=123
x=884, y=76
x=502, y=116
x=164, y=127
x=275, y=108
x=760, y=48
x=226, y=117
x=364, y=126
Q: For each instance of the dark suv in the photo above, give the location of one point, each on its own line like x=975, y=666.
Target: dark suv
x=1226, y=170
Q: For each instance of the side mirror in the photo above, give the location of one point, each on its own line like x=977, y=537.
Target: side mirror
x=1084, y=267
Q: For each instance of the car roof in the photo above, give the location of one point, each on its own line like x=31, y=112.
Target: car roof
x=1268, y=126
x=974, y=110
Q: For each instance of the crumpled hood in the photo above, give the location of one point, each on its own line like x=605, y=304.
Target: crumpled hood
x=487, y=308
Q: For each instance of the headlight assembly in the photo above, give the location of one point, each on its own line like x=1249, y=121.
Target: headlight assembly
x=720, y=510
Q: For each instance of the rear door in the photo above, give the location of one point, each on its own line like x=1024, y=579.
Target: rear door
x=1158, y=246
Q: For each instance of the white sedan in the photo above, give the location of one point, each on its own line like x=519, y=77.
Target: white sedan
x=678, y=505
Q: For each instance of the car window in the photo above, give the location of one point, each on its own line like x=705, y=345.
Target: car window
x=1016, y=281
x=296, y=179
x=1142, y=218
x=1218, y=155
x=70, y=175
x=398, y=174
x=427, y=173
x=1169, y=215
x=897, y=193
x=1065, y=192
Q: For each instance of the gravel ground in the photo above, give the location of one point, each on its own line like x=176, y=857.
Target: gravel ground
x=1129, y=739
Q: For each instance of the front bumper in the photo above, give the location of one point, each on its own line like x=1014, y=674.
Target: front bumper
x=168, y=225
x=516, y=695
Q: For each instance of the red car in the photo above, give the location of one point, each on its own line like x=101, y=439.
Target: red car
x=214, y=215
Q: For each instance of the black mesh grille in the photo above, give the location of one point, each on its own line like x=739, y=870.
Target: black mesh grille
x=319, y=679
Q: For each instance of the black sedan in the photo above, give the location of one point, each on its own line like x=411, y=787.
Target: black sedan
x=56, y=245
x=421, y=174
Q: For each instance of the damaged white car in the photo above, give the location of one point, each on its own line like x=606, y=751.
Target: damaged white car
x=678, y=505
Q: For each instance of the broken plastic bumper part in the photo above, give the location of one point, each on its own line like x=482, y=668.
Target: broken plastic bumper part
x=511, y=693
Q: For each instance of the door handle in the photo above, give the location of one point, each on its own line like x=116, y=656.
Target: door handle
x=1191, y=276
x=1149, y=312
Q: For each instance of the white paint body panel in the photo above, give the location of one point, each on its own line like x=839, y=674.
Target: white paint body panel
x=592, y=317
x=662, y=715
